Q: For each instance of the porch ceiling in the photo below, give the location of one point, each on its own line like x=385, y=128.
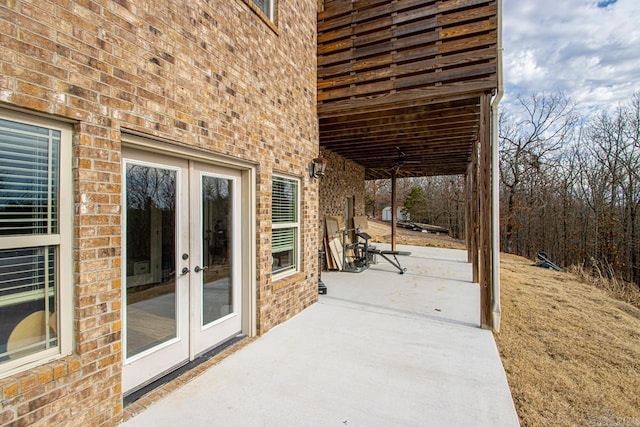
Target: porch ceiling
x=434, y=139
x=399, y=82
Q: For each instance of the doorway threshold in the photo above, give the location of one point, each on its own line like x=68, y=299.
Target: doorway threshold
x=160, y=386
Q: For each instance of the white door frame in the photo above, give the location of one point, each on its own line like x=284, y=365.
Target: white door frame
x=246, y=220
x=229, y=325
x=156, y=361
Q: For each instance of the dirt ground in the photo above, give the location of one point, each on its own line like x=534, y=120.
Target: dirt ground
x=381, y=232
x=571, y=352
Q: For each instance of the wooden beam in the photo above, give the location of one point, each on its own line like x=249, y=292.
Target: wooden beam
x=405, y=74
x=394, y=210
x=409, y=97
x=467, y=213
x=417, y=113
x=380, y=149
x=342, y=79
x=474, y=206
x=445, y=170
x=401, y=82
x=486, y=241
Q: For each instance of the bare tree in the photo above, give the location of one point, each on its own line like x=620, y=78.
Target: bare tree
x=377, y=195
x=528, y=143
x=570, y=186
x=632, y=166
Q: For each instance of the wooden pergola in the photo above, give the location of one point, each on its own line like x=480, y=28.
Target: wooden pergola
x=405, y=89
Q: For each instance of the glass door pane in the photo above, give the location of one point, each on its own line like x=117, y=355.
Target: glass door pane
x=215, y=278
x=217, y=242
x=150, y=257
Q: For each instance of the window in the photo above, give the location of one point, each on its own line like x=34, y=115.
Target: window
x=35, y=241
x=286, y=227
x=266, y=6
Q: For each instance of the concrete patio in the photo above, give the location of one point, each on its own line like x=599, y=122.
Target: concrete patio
x=380, y=349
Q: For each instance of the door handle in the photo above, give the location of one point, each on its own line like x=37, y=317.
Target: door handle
x=197, y=268
x=184, y=271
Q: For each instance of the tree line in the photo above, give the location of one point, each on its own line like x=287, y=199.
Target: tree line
x=438, y=200
x=569, y=186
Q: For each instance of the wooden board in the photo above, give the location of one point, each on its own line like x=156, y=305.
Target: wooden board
x=331, y=264
x=361, y=223
x=342, y=225
x=393, y=52
x=405, y=74
x=335, y=243
x=340, y=220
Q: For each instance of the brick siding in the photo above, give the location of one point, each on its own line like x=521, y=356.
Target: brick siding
x=210, y=75
x=343, y=179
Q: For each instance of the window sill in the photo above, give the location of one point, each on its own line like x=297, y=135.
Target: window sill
x=287, y=281
x=20, y=383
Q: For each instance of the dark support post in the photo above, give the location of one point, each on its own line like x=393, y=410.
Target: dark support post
x=474, y=206
x=486, y=224
x=394, y=210
x=467, y=215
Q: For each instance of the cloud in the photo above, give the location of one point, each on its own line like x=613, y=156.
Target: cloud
x=587, y=49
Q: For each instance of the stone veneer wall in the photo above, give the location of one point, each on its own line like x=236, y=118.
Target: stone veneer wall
x=211, y=75
x=343, y=179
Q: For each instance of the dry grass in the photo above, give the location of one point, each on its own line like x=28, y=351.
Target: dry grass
x=381, y=232
x=618, y=289
x=571, y=351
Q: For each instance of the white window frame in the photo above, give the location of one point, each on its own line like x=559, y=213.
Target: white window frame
x=289, y=225
x=63, y=241
x=270, y=4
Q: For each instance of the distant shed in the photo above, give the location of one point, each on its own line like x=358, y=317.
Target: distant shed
x=400, y=216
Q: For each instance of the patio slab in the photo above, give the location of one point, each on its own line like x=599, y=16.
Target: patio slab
x=380, y=349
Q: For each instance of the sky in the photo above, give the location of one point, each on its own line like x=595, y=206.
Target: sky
x=588, y=49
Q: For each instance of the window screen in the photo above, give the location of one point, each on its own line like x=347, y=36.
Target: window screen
x=29, y=264
x=265, y=6
x=284, y=236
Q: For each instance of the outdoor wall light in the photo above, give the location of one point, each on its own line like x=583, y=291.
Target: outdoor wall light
x=317, y=167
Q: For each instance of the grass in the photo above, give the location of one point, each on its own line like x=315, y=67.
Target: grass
x=571, y=350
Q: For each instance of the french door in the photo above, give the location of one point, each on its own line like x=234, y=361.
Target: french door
x=182, y=259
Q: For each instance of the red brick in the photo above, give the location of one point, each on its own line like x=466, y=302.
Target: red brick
x=28, y=381
x=6, y=417
x=10, y=388
x=38, y=65
x=44, y=374
x=59, y=370
x=10, y=29
x=33, y=417
x=94, y=242
x=26, y=101
x=87, y=346
x=86, y=254
x=73, y=365
x=113, y=72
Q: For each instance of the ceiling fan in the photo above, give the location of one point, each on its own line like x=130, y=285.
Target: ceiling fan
x=401, y=160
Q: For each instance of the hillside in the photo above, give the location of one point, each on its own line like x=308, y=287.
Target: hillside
x=570, y=351
x=381, y=232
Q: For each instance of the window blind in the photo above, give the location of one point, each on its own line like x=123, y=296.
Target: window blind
x=35, y=168
x=26, y=275
x=283, y=239
x=284, y=234
x=284, y=200
x=264, y=5
x=29, y=164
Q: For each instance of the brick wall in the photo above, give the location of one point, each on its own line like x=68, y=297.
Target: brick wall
x=343, y=179
x=197, y=74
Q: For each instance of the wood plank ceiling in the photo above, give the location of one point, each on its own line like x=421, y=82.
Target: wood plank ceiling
x=399, y=82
